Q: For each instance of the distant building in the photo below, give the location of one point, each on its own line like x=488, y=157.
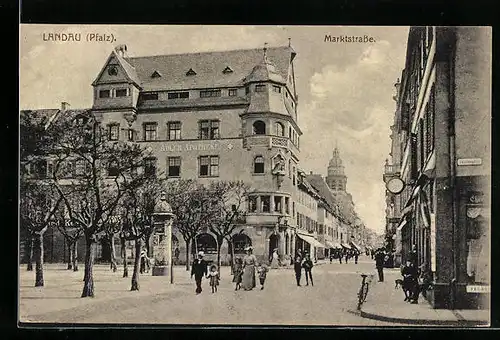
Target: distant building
x=441, y=150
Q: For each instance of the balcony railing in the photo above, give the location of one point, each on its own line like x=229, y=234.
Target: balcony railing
x=269, y=141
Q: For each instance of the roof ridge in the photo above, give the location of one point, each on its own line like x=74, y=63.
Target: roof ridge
x=206, y=52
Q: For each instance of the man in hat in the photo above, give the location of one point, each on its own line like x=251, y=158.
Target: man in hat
x=199, y=269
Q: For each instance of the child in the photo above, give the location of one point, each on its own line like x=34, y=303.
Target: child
x=238, y=272
x=262, y=270
x=214, y=277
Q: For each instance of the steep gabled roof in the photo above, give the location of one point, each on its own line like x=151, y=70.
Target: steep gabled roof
x=130, y=71
x=324, y=191
x=208, y=66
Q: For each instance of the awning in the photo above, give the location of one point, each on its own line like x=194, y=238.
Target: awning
x=401, y=225
x=311, y=240
x=356, y=246
x=346, y=246
x=333, y=245
x=430, y=166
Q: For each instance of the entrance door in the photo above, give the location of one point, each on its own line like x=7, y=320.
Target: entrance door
x=273, y=244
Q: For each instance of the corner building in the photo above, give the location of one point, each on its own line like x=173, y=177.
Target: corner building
x=441, y=149
x=228, y=115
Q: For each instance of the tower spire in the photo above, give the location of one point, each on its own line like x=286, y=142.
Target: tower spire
x=265, y=51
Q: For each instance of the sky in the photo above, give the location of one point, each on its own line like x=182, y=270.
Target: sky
x=345, y=89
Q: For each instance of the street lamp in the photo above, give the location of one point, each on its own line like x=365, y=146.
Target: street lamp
x=162, y=238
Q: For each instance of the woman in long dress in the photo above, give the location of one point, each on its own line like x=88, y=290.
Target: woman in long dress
x=249, y=262
x=275, y=259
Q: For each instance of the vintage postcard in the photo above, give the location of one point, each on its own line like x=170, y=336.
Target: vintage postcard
x=254, y=175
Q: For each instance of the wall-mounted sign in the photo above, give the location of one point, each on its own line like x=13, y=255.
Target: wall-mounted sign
x=190, y=147
x=477, y=289
x=395, y=185
x=469, y=161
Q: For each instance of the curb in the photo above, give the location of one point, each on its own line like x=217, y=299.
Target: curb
x=424, y=322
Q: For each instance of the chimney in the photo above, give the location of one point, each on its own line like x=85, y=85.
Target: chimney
x=121, y=50
x=65, y=106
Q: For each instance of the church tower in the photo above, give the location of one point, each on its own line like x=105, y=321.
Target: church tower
x=336, y=178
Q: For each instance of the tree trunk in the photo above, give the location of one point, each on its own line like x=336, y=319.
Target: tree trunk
x=187, y=254
x=74, y=257
x=29, y=266
x=124, y=256
x=219, y=246
x=70, y=255
x=39, y=260
x=88, y=286
x=148, y=244
x=231, y=246
x=113, y=254
x=137, y=264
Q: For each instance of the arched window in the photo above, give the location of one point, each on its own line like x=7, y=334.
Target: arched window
x=258, y=165
x=259, y=128
x=240, y=242
x=280, y=129
x=206, y=243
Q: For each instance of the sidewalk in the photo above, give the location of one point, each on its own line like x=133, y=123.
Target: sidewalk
x=385, y=303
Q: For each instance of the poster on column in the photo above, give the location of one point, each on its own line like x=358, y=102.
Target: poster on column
x=433, y=242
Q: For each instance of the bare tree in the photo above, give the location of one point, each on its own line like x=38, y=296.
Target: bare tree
x=192, y=206
x=138, y=208
x=230, y=209
x=102, y=172
x=37, y=209
x=71, y=234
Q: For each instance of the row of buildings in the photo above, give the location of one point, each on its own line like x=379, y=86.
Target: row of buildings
x=228, y=115
x=438, y=175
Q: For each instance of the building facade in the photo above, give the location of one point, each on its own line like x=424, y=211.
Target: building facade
x=441, y=151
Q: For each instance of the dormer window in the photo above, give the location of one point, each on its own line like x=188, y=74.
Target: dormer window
x=156, y=74
x=190, y=72
x=227, y=70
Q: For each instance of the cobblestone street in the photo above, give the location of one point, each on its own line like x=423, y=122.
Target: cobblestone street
x=331, y=301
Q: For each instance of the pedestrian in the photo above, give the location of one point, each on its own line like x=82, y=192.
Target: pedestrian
x=379, y=264
x=410, y=281
x=262, y=271
x=372, y=253
x=144, y=267
x=413, y=256
x=356, y=255
x=176, y=255
x=199, y=269
x=347, y=255
x=248, y=278
x=340, y=254
x=297, y=266
x=214, y=278
x=237, y=272
x=274, y=259
x=331, y=256
x=308, y=265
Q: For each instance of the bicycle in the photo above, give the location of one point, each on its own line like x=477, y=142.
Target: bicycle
x=363, y=290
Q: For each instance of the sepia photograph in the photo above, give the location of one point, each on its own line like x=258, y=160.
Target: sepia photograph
x=212, y=175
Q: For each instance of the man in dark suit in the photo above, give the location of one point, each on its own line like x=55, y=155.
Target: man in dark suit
x=379, y=264
x=199, y=269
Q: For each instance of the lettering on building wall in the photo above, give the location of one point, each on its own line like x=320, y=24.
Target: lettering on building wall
x=470, y=161
x=189, y=147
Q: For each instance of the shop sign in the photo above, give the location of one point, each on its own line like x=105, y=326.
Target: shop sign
x=433, y=242
x=477, y=289
x=469, y=161
x=190, y=147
